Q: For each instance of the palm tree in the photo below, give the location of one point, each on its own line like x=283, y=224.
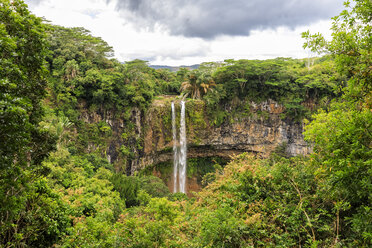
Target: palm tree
x=58, y=126
x=198, y=84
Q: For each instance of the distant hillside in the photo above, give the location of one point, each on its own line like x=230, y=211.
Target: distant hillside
x=175, y=68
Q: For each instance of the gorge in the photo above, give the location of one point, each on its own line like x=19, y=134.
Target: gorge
x=261, y=129
x=94, y=151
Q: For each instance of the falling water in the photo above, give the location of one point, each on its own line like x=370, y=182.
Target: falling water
x=179, y=152
x=183, y=150
x=175, y=152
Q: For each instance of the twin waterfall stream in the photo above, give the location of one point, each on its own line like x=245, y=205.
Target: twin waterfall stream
x=179, y=151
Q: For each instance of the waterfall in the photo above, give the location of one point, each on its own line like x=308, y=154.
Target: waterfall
x=183, y=151
x=179, y=153
x=175, y=150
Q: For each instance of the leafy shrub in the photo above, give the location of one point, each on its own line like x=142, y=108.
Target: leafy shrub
x=154, y=186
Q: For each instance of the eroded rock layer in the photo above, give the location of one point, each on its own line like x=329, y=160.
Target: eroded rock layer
x=145, y=139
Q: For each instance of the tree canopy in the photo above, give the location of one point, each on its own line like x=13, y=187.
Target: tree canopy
x=59, y=189
x=24, y=144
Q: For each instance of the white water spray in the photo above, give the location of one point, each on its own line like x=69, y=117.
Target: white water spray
x=183, y=150
x=179, y=153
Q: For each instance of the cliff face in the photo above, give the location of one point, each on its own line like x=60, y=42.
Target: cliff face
x=148, y=136
x=260, y=131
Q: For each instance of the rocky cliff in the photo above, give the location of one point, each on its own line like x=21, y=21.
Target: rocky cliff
x=137, y=140
x=260, y=130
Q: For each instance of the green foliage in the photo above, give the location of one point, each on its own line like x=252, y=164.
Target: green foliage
x=350, y=45
x=134, y=189
x=295, y=109
x=342, y=139
x=77, y=200
x=199, y=167
x=198, y=83
x=210, y=177
x=57, y=126
x=24, y=144
x=342, y=135
x=128, y=188
x=98, y=162
x=126, y=151
x=251, y=203
x=196, y=168
x=83, y=78
x=154, y=186
x=254, y=203
x=104, y=127
x=195, y=118
x=81, y=71
x=287, y=81
x=221, y=229
x=86, y=188
x=151, y=228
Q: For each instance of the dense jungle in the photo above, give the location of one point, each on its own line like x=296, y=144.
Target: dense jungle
x=278, y=150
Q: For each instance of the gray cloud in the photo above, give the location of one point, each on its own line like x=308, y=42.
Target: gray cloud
x=211, y=18
x=33, y=2
x=172, y=53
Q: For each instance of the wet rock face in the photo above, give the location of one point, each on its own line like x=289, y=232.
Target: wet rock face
x=112, y=144
x=260, y=132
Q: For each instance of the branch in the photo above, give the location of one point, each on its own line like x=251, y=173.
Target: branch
x=300, y=205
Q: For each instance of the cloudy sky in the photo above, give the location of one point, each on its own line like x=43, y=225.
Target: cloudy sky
x=185, y=32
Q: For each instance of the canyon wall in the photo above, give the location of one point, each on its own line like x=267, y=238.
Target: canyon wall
x=260, y=129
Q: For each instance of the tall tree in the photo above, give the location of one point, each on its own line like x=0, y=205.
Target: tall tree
x=342, y=136
x=198, y=83
x=23, y=143
x=351, y=45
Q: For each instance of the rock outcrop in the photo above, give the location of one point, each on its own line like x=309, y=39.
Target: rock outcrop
x=260, y=129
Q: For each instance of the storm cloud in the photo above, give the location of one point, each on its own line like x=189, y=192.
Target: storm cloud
x=210, y=18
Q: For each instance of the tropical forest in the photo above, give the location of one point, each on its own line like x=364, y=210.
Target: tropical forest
x=97, y=152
